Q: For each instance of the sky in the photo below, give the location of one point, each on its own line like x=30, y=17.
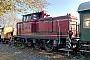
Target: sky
x=62, y=7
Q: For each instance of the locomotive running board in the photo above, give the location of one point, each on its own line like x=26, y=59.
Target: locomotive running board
x=65, y=49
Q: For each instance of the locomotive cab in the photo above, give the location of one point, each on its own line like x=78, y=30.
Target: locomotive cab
x=33, y=17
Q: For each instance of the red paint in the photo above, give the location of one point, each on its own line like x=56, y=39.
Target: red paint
x=45, y=26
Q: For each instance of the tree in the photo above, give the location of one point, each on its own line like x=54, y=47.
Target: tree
x=4, y=6
x=10, y=19
x=22, y=5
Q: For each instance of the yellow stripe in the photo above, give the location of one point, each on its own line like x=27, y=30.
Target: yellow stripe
x=43, y=35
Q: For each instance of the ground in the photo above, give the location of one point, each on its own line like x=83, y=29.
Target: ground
x=13, y=53
x=8, y=56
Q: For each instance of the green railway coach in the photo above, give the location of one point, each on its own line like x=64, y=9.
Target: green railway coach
x=84, y=12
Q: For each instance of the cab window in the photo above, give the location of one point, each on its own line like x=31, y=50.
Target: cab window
x=26, y=17
x=36, y=16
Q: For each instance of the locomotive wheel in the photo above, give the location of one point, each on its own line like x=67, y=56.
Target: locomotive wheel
x=49, y=47
x=29, y=44
x=37, y=46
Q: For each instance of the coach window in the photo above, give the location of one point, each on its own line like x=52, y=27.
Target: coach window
x=86, y=20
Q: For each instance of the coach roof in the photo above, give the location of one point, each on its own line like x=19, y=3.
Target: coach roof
x=84, y=6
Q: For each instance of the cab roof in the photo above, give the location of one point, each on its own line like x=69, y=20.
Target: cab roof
x=84, y=6
x=32, y=13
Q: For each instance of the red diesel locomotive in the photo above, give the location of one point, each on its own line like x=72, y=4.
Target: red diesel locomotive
x=41, y=31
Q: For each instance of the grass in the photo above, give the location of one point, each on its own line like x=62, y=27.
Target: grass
x=21, y=47
x=8, y=56
x=80, y=58
x=12, y=46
